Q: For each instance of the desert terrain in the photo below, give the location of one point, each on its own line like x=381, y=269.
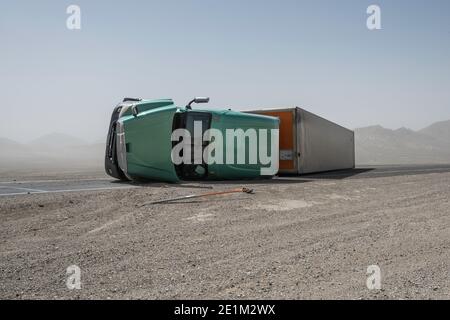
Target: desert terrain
x=309, y=237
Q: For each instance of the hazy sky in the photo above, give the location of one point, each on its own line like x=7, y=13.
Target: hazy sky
x=243, y=54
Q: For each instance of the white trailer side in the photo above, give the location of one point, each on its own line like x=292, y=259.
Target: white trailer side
x=309, y=143
x=322, y=144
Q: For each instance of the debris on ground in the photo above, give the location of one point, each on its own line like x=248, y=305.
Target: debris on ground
x=209, y=194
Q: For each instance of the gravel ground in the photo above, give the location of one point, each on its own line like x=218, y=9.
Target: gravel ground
x=290, y=240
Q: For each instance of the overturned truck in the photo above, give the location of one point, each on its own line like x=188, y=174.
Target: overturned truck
x=157, y=140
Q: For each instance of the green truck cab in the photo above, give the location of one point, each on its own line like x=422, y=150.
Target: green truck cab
x=140, y=143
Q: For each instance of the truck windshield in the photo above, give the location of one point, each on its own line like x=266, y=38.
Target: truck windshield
x=187, y=121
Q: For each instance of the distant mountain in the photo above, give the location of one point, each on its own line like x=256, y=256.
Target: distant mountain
x=50, y=152
x=374, y=145
x=8, y=142
x=439, y=131
x=8, y=146
x=58, y=140
x=378, y=145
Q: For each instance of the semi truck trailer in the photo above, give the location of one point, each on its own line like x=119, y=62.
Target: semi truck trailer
x=311, y=144
x=140, y=143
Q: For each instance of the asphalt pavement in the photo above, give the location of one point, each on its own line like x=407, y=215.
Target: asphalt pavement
x=23, y=187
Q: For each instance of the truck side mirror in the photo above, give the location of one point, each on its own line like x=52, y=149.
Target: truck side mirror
x=201, y=99
x=197, y=100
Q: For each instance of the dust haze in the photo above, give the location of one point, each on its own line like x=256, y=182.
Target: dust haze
x=375, y=145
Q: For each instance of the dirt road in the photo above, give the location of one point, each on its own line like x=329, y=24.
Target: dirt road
x=294, y=238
